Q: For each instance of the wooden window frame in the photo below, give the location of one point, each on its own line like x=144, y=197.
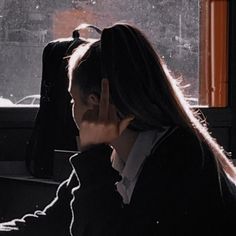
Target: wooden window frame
x=225, y=117
x=221, y=117
x=214, y=28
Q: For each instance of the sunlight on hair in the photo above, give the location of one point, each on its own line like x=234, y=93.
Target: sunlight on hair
x=77, y=55
x=199, y=125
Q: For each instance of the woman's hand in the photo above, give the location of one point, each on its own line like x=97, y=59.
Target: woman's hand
x=101, y=124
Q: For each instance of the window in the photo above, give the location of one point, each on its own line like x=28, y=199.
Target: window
x=187, y=35
x=213, y=53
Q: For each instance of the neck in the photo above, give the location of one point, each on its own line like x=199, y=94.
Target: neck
x=124, y=143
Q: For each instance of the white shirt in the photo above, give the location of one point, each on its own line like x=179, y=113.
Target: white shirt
x=131, y=169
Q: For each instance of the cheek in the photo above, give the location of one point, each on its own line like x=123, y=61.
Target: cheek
x=75, y=114
x=78, y=111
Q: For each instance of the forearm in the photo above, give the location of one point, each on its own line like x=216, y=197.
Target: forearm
x=98, y=209
x=96, y=199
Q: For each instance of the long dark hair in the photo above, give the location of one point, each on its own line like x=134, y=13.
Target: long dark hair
x=140, y=84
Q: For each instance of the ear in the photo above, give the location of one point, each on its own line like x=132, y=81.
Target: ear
x=93, y=100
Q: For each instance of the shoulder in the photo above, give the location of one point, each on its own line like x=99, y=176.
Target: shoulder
x=182, y=151
x=181, y=141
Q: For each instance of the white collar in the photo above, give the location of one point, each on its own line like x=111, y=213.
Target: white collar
x=131, y=170
x=140, y=150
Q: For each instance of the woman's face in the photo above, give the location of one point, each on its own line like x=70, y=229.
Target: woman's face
x=79, y=107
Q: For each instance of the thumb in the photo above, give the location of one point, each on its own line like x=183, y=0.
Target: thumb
x=125, y=122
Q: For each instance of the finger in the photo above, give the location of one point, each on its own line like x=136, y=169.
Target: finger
x=124, y=123
x=104, y=101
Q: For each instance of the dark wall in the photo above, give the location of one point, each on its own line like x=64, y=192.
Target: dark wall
x=232, y=71
x=16, y=126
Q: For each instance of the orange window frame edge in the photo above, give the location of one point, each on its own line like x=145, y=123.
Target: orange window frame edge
x=213, y=83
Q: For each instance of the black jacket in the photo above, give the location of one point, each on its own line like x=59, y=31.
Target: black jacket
x=179, y=192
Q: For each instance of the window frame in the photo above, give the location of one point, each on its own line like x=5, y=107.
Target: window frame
x=220, y=118
x=214, y=27
x=17, y=117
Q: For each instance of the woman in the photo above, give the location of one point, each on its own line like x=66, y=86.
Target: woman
x=173, y=172
x=147, y=166
x=175, y=177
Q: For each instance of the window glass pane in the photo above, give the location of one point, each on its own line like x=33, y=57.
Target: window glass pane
x=27, y=26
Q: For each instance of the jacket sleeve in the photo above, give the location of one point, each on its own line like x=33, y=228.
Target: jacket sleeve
x=86, y=204
x=55, y=219
x=98, y=209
